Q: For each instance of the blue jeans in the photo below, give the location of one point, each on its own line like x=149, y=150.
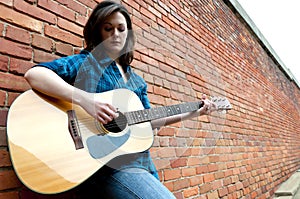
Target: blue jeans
x=133, y=183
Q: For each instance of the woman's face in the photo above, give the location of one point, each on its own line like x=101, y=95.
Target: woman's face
x=114, y=34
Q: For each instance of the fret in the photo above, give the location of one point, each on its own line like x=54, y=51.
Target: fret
x=169, y=111
x=145, y=115
x=139, y=116
x=134, y=116
x=175, y=109
x=129, y=120
x=162, y=112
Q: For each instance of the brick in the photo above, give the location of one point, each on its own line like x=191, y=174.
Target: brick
x=204, y=188
x=196, y=180
x=169, y=185
x=80, y=20
x=2, y=98
x=178, y=195
x=219, y=175
x=77, y=50
x=172, y=174
x=166, y=152
x=132, y=4
x=42, y=56
x=1, y=29
x=58, y=8
x=7, y=2
x=11, y=97
x=231, y=188
x=192, y=161
x=161, y=91
x=216, y=184
x=19, y=66
x=148, y=60
x=181, y=184
x=213, y=167
x=4, y=63
x=148, y=14
x=3, y=117
x=202, y=169
x=62, y=35
x=42, y=42
x=168, y=21
x=179, y=162
x=188, y=172
x=70, y=26
x=15, y=49
x=90, y=4
x=208, y=177
x=3, y=138
x=8, y=180
x=4, y=158
x=193, y=191
x=10, y=195
x=156, y=99
x=161, y=163
x=74, y=6
x=18, y=34
x=63, y=49
x=34, y=11
x=183, y=151
x=19, y=19
x=13, y=82
x=212, y=195
x=223, y=192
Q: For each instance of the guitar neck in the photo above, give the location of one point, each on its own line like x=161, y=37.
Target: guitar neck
x=146, y=115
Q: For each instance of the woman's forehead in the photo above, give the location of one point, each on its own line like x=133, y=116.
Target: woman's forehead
x=115, y=18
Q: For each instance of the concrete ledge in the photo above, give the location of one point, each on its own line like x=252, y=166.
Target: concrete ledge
x=290, y=186
x=284, y=197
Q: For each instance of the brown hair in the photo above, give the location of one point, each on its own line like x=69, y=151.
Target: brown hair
x=96, y=19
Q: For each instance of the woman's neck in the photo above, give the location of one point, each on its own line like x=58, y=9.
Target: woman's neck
x=122, y=72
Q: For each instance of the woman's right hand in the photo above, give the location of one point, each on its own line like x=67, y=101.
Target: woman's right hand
x=101, y=111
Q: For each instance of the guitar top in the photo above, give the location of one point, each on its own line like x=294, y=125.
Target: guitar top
x=55, y=145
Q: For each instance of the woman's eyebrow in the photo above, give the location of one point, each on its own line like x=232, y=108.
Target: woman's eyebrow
x=112, y=24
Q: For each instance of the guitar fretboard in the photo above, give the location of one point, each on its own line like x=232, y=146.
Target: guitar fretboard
x=146, y=115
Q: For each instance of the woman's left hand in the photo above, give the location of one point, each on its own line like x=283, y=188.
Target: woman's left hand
x=208, y=106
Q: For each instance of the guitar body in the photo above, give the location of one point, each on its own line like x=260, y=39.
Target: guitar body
x=43, y=152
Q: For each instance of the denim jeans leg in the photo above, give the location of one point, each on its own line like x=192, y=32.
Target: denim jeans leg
x=135, y=183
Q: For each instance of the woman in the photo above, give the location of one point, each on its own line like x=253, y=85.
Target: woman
x=105, y=65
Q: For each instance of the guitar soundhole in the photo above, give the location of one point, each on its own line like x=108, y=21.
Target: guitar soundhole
x=117, y=125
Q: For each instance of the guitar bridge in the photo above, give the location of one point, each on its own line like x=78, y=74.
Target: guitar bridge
x=74, y=129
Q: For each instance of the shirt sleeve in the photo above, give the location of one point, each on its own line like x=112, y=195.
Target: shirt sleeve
x=66, y=67
x=144, y=98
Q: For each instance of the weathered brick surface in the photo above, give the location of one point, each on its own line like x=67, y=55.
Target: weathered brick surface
x=183, y=49
x=8, y=180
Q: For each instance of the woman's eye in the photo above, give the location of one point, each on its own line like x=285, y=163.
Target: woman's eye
x=107, y=29
x=121, y=29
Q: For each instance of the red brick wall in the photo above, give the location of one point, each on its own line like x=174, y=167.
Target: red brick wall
x=184, y=48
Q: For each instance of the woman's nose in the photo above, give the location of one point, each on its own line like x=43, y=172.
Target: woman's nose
x=115, y=32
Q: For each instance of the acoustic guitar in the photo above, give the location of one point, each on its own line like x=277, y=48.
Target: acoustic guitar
x=56, y=145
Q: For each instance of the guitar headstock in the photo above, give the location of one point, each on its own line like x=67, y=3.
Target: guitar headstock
x=221, y=103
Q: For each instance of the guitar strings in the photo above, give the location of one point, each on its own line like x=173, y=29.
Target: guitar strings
x=90, y=120
x=133, y=118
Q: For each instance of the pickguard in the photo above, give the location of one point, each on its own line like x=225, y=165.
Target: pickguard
x=100, y=146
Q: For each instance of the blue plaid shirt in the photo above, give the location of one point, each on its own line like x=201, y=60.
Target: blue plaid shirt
x=88, y=73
